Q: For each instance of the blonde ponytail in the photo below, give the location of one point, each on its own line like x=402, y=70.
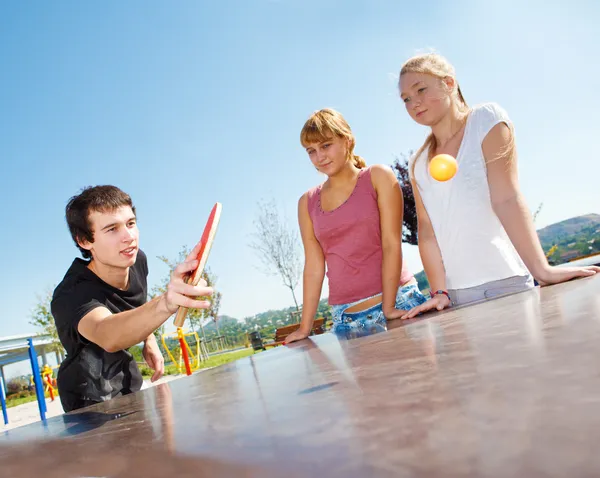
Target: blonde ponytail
x=359, y=162
x=430, y=145
x=460, y=96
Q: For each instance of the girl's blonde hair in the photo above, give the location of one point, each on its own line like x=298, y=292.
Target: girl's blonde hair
x=325, y=124
x=436, y=65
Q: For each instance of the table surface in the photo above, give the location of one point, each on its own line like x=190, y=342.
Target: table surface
x=509, y=387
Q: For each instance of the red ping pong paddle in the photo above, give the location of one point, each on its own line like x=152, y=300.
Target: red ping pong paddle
x=206, y=241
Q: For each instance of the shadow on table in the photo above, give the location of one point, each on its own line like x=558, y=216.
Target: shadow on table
x=83, y=422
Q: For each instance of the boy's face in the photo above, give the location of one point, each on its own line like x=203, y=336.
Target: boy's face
x=116, y=237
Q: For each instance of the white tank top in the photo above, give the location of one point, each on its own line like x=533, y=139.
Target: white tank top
x=474, y=245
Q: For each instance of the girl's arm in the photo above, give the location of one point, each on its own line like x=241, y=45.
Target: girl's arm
x=391, y=212
x=510, y=207
x=431, y=257
x=313, y=275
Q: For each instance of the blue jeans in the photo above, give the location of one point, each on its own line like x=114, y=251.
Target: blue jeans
x=372, y=320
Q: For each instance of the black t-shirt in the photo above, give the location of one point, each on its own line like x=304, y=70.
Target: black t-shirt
x=89, y=374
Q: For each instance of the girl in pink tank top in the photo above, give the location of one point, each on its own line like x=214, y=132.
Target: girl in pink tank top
x=351, y=228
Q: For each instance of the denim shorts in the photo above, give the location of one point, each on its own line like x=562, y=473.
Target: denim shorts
x=407, y=297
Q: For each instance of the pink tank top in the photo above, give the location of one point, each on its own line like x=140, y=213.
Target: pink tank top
x=350, y=237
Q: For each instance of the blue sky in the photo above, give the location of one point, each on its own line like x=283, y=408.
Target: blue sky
x=182, y=104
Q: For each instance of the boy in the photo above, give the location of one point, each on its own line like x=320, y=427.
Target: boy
x=100, y=307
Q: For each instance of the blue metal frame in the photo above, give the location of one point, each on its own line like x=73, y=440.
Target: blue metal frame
x=37, y=380
x=3, y=401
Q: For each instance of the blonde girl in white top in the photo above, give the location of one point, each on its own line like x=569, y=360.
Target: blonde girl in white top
x=476, y=234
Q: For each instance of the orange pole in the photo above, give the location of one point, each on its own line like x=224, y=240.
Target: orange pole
x=50, y=388
x=182, y=344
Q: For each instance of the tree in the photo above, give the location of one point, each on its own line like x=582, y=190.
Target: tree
x=410, y=229
x=277, y=246
x=537, y=211
x=215, y=305
x=42, y=318
x=552, y=260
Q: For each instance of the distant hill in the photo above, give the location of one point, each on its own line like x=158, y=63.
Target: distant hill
x=559, y=231
x=570, y=239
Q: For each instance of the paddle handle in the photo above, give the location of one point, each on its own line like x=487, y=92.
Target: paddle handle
x=180, y=317
x=182, y=311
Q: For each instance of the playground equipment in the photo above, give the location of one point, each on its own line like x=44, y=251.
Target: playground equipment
x=3, y=401
x=37, y=380
x=187, y=358
x=49, y=381
x=36, y=377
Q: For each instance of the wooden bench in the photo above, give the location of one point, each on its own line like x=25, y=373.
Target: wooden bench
x=281, y=333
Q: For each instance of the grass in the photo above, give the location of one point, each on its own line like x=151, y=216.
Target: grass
x=213, y=361
x=13, y=402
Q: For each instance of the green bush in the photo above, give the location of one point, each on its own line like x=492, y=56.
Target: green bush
x=15, y=385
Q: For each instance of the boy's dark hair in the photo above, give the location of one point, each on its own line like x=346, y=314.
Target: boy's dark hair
x=97, y=198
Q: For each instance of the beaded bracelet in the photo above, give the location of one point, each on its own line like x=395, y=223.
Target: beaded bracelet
x=440, y=292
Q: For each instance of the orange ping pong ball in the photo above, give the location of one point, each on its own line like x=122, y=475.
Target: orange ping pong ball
x=443, y=167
